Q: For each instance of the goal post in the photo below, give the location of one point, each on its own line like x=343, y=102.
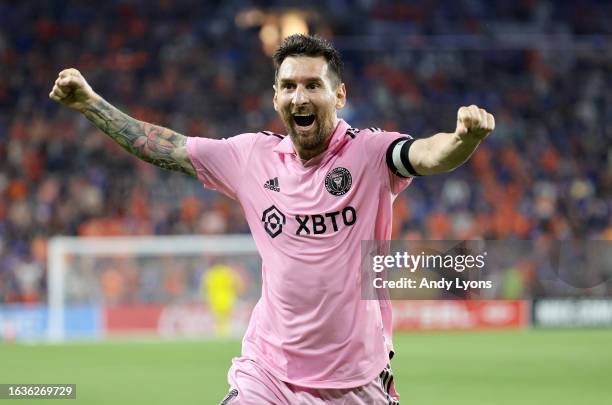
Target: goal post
x=63, y=251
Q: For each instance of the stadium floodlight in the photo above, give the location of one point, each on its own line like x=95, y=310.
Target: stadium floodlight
x=63, y=251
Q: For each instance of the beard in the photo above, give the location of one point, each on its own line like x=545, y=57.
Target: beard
x=313, y=140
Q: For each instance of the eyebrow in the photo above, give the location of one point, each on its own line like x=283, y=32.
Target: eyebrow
x=308, y=80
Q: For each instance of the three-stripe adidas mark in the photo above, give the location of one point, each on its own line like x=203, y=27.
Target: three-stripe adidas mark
x=272, y=184
x=386, y=381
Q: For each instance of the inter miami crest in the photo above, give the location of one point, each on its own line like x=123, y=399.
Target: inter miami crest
x=338, y=181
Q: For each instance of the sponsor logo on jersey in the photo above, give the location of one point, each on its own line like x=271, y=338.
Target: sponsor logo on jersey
x=273, y=221
x=322, y=223
x=313, y=224
x=338, y=181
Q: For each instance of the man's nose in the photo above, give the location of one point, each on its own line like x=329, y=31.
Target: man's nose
x=299, y=96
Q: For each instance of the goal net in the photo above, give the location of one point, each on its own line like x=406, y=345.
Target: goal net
x=170, y=286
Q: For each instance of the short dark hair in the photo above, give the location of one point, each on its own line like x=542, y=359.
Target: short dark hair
x=309, y=45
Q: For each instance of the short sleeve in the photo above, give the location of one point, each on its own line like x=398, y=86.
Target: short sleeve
x=379, y=144
x=220, y=163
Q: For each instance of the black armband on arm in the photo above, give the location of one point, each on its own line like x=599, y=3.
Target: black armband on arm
x=397, y=158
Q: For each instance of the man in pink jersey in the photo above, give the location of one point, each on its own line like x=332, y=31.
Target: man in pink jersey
x=310, y=198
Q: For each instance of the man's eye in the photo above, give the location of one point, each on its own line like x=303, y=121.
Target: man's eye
x=288, y=86
x=313, y=86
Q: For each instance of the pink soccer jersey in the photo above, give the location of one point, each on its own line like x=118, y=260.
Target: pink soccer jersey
x=311, y=327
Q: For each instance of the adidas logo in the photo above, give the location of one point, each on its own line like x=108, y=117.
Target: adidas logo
x=272, y=184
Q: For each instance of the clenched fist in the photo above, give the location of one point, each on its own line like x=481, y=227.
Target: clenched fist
x=72, y=90
x=474, y=122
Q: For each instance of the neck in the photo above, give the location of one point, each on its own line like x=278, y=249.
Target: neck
x=312, y=153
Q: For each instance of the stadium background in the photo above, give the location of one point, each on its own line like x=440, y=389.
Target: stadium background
x=203, y=69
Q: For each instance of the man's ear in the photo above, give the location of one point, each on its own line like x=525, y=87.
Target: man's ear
x=340, y=96
x=274, y=100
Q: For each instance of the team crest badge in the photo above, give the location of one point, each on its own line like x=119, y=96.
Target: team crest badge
x=338, y=181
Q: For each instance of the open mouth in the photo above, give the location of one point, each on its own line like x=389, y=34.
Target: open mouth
x=304, y=121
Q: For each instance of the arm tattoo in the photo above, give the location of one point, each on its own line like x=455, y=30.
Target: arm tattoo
x=157, y=145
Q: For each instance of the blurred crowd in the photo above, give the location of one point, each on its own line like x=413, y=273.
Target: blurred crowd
x=542, y=68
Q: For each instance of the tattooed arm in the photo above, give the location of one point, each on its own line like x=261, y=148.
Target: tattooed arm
x=154, y=144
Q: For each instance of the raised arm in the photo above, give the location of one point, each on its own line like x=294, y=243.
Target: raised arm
x=444, y=152
x=152, y=143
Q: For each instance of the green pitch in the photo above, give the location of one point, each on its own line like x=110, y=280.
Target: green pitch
x=513, y=368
